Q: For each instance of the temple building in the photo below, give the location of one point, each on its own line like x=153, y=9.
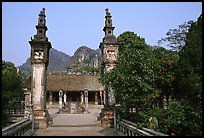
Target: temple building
x=74, y=88
x=71, y=88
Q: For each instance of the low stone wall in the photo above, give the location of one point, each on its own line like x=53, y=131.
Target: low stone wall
x=126, y=128
x=22, y=128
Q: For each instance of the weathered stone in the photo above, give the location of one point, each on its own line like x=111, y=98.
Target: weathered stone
x=109, y=50
x=40, y=59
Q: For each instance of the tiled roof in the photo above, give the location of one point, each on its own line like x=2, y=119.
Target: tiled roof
x=72, y=82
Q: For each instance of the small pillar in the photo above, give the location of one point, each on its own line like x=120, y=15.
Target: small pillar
x=65, y=98
x=82, y=98
x=86, y=100
x=51, y=99
x=60, y=99
x=96, y=98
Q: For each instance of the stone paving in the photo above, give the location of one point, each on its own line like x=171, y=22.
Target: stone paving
x=75, y=125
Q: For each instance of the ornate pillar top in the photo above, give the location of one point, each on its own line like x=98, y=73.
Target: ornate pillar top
x=43, y=11
x=107, y=12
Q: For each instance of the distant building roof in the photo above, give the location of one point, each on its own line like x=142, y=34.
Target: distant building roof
x=72, y=82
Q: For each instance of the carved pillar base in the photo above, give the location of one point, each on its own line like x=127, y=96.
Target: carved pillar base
x=107, y=118
x=42, y=119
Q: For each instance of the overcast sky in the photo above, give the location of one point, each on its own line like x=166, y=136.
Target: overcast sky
x=74, y=24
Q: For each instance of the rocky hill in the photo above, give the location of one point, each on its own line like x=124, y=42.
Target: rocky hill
x=84, y=57
x=57, y=62
x=61, y=62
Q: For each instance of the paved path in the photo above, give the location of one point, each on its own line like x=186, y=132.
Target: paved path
x=75, y=125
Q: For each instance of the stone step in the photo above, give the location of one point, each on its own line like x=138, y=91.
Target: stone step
x=74, y=125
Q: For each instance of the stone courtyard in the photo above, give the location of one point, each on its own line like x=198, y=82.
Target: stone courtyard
x=76, y=124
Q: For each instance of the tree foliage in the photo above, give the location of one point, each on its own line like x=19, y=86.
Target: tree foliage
x=144, y=77
x=11, y=88
x=175, y=38
x=130, y=40
x=166, y=62
x=133, y=78
x=88, y=69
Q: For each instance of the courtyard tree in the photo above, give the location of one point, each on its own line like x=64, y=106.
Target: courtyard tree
x=11, y=89
x=133, y=78
x=190, y=77
x=175, y=38
x=184, y=116
x=167, y=61
x=130, y=40
x=144, y=76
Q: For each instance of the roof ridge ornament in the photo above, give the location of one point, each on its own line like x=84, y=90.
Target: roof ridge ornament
x=107, y=12
x=43, y=11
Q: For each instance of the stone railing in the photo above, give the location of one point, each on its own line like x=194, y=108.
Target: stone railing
x=127, y=128
x=17, y=109
x=22, y=128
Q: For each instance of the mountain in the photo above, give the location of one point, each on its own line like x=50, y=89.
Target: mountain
x=83, y=57
x=61, y=62
x=57, y=62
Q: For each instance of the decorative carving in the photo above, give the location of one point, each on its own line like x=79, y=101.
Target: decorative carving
x=111, y=55
x=38, y=55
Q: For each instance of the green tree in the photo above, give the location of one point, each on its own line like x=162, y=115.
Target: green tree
x=130, y=40
x=175, y=38
x=88, y=69
x=190, y=65
x=134, y=76
x=190, y=77
x=11, y=89
x=144, y=76
x=167, y=61
x=184, y=116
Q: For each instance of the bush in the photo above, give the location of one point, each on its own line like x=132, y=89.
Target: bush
x=179, y=119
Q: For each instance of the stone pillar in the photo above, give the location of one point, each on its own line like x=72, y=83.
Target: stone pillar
x=110, y=55
x=82, y=98
x=39, y=95
x=86, y=100
x=39, y=59
x=60, y=99
x=65, y=98
x=96, y=98
x=50, y=99
x=27, y=103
